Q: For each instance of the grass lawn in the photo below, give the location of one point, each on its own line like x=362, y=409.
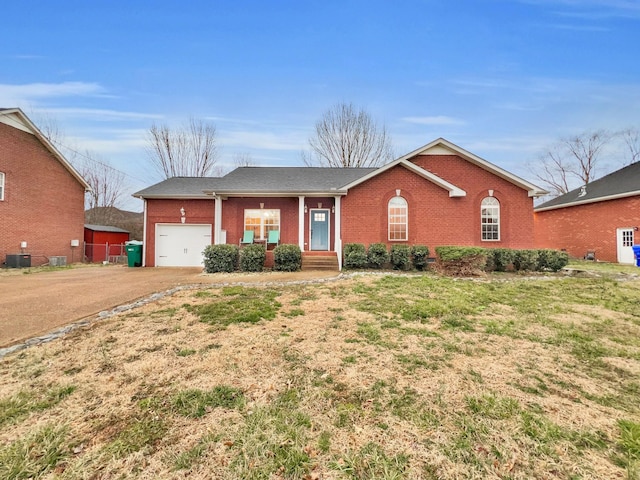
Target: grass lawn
x=369, y=377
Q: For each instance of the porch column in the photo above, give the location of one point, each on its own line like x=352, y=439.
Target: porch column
x=337, y=219
x=217, y=221
x=144, y=235
x=301, y=223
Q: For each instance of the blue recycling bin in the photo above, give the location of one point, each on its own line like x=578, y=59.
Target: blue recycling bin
x=636, y=253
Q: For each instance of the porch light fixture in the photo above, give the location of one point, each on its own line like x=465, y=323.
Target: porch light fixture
x=333, y=209
x=262, y=205
x=182, y=212
x=319, y=204
x=305, y=209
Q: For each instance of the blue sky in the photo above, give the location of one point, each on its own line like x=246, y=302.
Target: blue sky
x=501, y=78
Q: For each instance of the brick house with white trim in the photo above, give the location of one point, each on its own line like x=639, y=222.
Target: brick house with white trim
x=439, y=194
x=41, y=194
x=600, y=219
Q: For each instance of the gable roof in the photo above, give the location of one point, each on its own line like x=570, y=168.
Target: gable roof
x=262, y=181
x=16, y=118
x=441, y=146
x=319, y=181
x=619, y=184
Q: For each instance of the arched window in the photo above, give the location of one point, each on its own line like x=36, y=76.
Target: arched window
x=398, y=219
x=490, y=219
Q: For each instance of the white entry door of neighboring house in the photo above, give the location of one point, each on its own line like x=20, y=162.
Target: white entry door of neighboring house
x=179, y=245
x=625, y=241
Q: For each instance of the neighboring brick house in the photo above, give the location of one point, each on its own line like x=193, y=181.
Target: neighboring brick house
x=600, y=220
x=41, y=194
x=439, y=194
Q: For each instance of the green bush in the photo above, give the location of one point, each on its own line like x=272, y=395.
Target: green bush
x=252, y=258
x=461, y=261
x=419, y=256
x=525, y=260
x=220, y=258
x=377, y=255
x=287, y=258
x=355, y=255
x=499, y=259
x=553, y=260
x=400, y=257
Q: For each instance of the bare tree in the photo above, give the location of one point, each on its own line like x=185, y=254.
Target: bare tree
x=107, y=184
x=243, y=159
x=188, y=151
x=348, y=137
x=631, y=138
x=571, y=162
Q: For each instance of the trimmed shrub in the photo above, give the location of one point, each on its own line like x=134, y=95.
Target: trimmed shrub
x=287, y=258
x=461, y=261
x=525, y=260
x=553, y=260
x=419, y=256
x=400, y=257
x=355, y=255
x=499, y=259
x=377, y=255
x=220, y=258
x=252, y=258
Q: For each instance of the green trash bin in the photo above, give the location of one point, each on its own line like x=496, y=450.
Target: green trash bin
x=134, y=254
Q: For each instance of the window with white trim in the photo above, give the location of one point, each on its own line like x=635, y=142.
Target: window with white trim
x=490, y=219
x=1, y=186
x=398, y=219
x=261, y=221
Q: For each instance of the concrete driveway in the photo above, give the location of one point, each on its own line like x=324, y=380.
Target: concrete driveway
x=33, y=304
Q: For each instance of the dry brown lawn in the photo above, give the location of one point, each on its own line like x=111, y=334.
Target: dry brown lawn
x=363, y=377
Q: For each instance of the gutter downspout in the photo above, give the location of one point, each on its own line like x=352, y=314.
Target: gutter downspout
x=338, y=232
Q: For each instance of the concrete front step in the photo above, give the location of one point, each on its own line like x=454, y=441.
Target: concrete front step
x=319, y=262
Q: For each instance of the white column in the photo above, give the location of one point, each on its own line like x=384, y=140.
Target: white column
x=338, y=231
x=217, y=221
x=301, y=223
x=144, y=235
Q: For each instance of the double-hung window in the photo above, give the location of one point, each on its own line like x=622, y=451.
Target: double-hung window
x=1, y=186
x=398, y=219
x=490, y=219
x=261, y=221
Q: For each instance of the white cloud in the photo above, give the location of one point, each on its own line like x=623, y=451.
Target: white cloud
x=433, y=120
x=27, y=94
x=102, y=114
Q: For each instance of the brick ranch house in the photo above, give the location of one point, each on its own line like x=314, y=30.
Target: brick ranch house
x=600, y=219
x=439, y=194
x=41, y=194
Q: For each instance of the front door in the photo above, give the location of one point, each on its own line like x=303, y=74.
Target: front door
x=625, y=241
x=319, y=229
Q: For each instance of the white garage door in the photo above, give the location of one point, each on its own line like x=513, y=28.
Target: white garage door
x=179, y=245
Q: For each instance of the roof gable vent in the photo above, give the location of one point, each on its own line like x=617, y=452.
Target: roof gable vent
x=583, y=191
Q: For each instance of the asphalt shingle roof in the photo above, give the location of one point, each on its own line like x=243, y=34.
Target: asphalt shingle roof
x=104, y=228
x=623, y=181
x=259, y=180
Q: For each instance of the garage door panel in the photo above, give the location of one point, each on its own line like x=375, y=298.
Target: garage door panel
x=179, y=245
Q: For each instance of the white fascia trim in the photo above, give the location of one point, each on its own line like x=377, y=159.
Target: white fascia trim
x=331, y=193
x=453, y=190
x=17, y=119
x=173, y=197
x=592, y=200
x=534, y=191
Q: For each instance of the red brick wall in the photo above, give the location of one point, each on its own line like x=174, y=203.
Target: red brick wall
x=588, y=227
x=43, y=203
x=168, y=211
x=435, y=218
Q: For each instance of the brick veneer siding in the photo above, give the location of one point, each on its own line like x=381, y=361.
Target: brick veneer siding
x=590, y=227
x=168, y=211
x=436, y=219
x=43, y=202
